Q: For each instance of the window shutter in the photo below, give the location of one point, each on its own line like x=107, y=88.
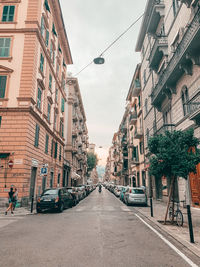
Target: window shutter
x=46, y=144
x=47, y=38
x=50, y=81
x=63, y=105
x=8, y=13
x=37, y=131
x=52, y=142
x=3, y=80
x=0, y=120
x=60, y=153
x=56, y=149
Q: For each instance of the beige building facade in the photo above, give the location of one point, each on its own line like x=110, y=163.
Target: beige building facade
x=170, y=77
x=76, y=134
x=34, y=54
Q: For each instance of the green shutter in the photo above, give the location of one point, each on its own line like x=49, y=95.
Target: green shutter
x=50, y=81
x=48, y=112
x=0, y=120
x=3, y=80
x=46, y=144
x=5, y=47
x=39, y=98
x=41, y=63
x=42, y=25
x=63, y=105
x=60, y=153
x=56, y=149
x=54, y=30
x=37, y=131
x=47, y=38
x=52, y=147
x=46, y=4
x=8, y=13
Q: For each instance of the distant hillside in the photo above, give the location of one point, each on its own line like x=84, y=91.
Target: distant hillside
x=100, y=171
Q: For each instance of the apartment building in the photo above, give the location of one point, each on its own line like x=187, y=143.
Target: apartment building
x=34, y=54
x=76, y=134
x=135, y=135
x=170, y=76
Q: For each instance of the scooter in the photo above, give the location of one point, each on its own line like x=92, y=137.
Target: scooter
x=99, y=189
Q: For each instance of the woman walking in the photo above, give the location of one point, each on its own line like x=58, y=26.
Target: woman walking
x=10, y=201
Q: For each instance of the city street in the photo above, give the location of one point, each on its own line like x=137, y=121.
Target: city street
x=99, y=231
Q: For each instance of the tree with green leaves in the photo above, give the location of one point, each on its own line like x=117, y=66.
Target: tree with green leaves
x=173, y=154
x=91, y=161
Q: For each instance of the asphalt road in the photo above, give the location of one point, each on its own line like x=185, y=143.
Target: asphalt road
x=99, y=232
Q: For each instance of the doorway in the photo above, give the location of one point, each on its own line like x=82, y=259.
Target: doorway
x=32, y=182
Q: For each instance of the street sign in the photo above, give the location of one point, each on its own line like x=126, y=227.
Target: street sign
x=10, y=164
x=43, y=171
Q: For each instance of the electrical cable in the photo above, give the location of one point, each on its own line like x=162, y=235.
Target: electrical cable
x=107, y=48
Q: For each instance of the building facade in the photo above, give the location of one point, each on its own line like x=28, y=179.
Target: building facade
x=34, y=54
x=76, y=134
x=170, y=76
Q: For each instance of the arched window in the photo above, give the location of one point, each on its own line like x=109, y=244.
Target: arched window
x=185, y=99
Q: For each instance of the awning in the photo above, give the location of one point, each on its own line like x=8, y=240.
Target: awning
x=4, y=155
x=75, y=176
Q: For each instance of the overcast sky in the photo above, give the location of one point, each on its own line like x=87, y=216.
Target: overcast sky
x=91, y=26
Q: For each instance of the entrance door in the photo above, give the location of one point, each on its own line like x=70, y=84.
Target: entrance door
x=64, y=178
x=32, y=182
x=51, y=180
x=195, y=187
x=44, y=183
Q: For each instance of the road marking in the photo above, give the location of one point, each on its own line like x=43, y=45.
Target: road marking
x=191, y=263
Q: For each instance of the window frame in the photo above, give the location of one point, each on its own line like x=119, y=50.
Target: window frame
x=6, y=82
x=39, y=101
x=4, y=47
x=47, y=144
x=8, y=14
x=37, y=135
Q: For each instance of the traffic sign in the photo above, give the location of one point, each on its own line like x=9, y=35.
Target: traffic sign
x=10, y=164
x=43, y=171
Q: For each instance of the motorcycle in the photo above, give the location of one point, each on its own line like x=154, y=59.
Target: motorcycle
x=99, y=189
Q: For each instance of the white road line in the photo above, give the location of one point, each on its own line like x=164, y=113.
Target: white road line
x=191, y=263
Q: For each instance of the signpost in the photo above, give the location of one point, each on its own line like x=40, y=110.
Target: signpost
x=10, y=164
x=44, y=171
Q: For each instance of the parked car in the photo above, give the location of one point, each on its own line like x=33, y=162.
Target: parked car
x=135, y=195
x=74, y=194
x=117, y=190
x=54, y=198
x=122, y=193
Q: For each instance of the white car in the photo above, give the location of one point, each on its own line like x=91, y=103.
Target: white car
x=135, y=195
x=117, y=190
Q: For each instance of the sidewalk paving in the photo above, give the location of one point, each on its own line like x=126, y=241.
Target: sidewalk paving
x=181, y=234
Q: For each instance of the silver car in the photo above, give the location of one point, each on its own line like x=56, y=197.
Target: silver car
x=135, y=195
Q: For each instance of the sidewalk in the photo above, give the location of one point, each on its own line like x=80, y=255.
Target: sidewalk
x=22, y=211
x=181, y=234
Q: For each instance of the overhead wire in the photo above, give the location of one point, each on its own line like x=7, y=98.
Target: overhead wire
x=109, y=46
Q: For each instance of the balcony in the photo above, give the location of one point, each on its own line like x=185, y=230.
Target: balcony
x=158, y=50
x=136, y=87
x=186, y=54
x=156, y=14
x=74, y=150
x=193, y=108
x=133, y=118
x=138, y=133
x=74, y=132
x=134, y=161
x=75, y=117
x=166, y=128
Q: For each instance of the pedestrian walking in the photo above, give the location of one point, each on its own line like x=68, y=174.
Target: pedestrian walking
x=15, y=198
x=10, y=201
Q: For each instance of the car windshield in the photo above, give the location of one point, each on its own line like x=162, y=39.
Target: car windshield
x=138, y=191
x=69, y=190
x=51, y=192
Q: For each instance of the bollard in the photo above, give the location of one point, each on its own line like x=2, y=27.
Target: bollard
x=151, y=206
x=32, y=199
x=190, y=224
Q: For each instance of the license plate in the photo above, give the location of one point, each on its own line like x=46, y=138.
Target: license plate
x=47, y=199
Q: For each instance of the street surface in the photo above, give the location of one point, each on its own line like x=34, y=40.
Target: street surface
x=99, y=232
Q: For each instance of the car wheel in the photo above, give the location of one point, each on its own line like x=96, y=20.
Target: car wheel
x=61, y=208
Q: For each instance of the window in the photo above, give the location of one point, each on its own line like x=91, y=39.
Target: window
x=185, y=99
x=8, y=13
x=59, y=179
x=147, y=134
x=141, y=147
x=135, y=153
x=5, y=47
x=50, y=81
x=57, y=69
x=63, y=81
x=46, y=144
x=48, y=112
x=60, y=152
x=144, y=77
x=55, y=121
x=146, y=106
x=54, y=30
x=63, y=105
x=52, y=143
x=56, y=96
x=47, y=38
x=61, y=128
x=39, y=98
x=3, y=80
x=56, y=150
x=41, y=62
x=0, y=120
x=37, y=131
x=42, y=28
x=175, y=7
x=139, y=101
x=46, y=4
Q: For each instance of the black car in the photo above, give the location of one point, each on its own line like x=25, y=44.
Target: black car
x=54, y=198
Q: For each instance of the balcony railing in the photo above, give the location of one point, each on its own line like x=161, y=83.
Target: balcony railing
x=138, y=133
x=133, y=118
x=158, y=50
x=193, y=108
x=178, y=64
x=134, y=161
x=156, y=14
x=166, y=128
